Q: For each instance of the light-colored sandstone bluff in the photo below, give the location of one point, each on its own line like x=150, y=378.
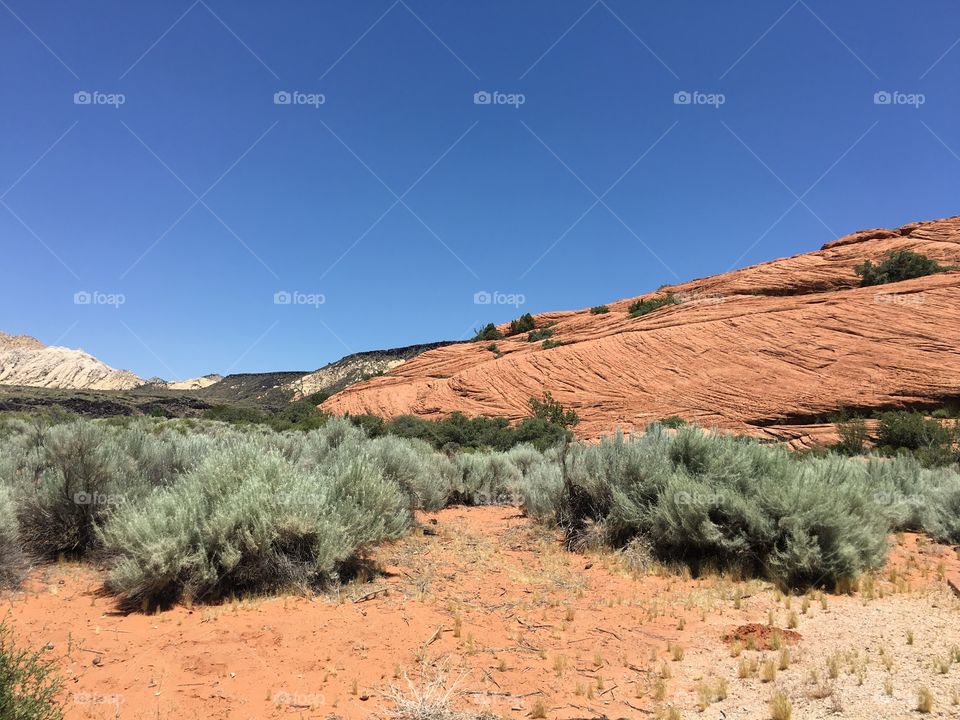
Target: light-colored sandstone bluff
x=26, y=361
x=766, y=350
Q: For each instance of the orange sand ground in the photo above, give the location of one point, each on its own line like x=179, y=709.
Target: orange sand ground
x=512, y=620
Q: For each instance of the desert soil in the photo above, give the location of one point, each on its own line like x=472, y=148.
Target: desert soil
x=493, y=609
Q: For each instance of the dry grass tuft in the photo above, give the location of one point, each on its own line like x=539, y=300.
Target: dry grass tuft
x=780, y=706
x=432, y=701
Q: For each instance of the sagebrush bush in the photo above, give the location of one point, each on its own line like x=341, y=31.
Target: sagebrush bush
x=12, y=562
x=413, y=464
x=541, y=490
x=713, y=501
x=70, y=477
x=29, y=686
x=486, y=478
x=941, y=517
x=247, y=521
x=209, y=509
x=66, y=487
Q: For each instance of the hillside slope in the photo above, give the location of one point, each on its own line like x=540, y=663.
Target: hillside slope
x=26, y=361
x=766, y=350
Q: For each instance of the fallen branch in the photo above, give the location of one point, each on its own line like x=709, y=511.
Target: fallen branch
x=608, y=632
x=372, y=595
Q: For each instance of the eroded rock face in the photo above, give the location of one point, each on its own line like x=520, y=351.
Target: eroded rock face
x=765, y=350
x=26, y=361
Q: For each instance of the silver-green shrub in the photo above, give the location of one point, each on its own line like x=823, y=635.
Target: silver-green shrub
x=425, y=476
x=248, y=521
x=12, y=562
x=67, y=482
x=486, y=478
x=541, y=490
x=709, y=500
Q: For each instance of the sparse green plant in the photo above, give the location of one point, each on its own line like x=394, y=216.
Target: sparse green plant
x=552, y=411
x=524, y=323
x=673, y=422
x=599, y=310
x=487, y=333
x=29, y=686
x=896, y=266
x=639, y=308
x=853, y=436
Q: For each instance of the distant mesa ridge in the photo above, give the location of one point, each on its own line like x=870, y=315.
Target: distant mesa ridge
x=769, y=350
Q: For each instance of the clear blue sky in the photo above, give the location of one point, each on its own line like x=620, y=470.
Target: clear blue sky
x=199, y=198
